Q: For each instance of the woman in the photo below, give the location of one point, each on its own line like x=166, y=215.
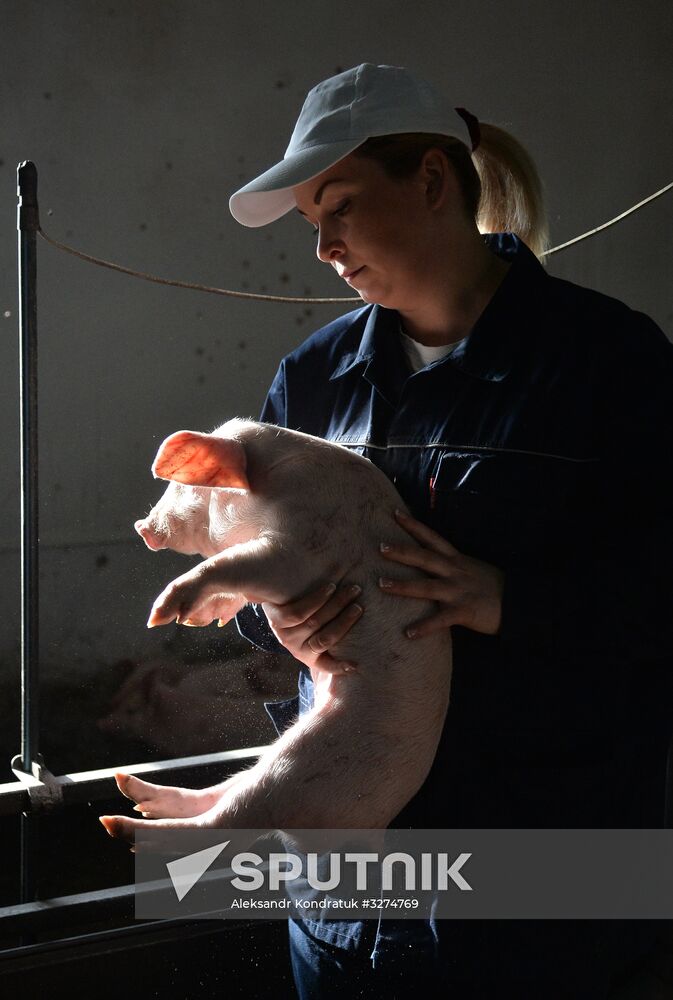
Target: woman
x=525, y=422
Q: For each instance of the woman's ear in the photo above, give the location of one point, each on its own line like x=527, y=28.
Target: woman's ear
x=438, y=178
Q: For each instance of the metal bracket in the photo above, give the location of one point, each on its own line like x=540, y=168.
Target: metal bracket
x=45, y=792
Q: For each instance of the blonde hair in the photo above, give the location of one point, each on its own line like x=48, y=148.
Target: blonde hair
x=500, y=183
x=511, y=189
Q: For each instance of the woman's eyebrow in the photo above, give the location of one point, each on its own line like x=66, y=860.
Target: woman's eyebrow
x=318, y=194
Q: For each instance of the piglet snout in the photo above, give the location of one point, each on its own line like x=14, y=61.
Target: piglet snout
x=152, y=538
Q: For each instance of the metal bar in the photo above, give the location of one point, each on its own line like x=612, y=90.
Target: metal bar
x=668, y=792
x=84, y=907
x=27, y=225
x=118, y=903
x=29, y=854
x=138, y=935
x=88, y=786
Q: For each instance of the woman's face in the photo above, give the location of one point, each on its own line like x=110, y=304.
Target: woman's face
x=373, y=230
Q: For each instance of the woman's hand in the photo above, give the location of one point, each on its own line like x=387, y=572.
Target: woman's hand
x=311, y=626
x=468, y=591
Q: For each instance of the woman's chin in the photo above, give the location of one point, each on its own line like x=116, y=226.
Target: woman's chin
x=372, y=293
x=371, y=296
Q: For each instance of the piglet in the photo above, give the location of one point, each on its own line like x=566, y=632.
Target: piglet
x=182, y=709
x=277, y=513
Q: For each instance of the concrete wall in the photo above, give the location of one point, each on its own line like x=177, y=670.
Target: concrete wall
x=143, y=117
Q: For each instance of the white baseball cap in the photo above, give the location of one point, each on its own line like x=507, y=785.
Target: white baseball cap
x=338, y=115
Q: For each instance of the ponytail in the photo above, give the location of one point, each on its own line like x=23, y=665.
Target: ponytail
x=511, y=190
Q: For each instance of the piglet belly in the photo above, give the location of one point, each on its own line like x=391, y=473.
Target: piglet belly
x=396, y=705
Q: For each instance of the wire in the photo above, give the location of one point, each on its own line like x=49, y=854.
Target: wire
x=186, y=284
x=296, y=299
x=592, y=232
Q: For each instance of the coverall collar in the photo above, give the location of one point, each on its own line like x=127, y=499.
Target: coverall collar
x=485, y=353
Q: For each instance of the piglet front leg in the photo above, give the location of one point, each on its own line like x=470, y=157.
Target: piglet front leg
x=220, y=586
x=180, y=602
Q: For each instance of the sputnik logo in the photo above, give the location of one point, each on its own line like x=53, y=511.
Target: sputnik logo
x=186, y=872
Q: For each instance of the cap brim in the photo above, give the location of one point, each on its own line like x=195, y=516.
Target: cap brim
x=270, y=195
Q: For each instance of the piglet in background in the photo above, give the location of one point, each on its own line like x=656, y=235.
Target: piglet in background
x=180, y=709
x=275, y=514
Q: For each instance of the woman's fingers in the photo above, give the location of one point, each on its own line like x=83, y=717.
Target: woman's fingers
x=297, y=612
x=436, y=623
x=424, y=588
x=414, y=555
x=454, y=608
x=313, y=610
x=469, y=594
x=423, y=534
x=325, y=661
x=337, y=628
x=311, y=626
x=468, y=590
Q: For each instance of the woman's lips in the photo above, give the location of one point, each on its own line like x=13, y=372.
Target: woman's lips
x=349, y=275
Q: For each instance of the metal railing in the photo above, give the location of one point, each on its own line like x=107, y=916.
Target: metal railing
x=33, y=795
x=36, y=789
x=31, y=917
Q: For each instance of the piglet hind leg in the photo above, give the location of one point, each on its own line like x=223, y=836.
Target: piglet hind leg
x=166, y=801
x=165, y=807
x=219, y=812
x=131, y=830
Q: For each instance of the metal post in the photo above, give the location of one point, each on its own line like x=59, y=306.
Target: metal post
x=28, y=224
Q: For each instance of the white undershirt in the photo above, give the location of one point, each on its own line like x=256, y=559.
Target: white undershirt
x=420, y=355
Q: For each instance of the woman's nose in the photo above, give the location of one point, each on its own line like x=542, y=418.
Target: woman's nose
x=329, y=248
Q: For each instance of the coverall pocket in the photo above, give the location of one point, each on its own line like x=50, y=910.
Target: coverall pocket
x=509, y=507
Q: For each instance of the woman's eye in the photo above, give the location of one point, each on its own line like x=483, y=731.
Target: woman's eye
x=341, y=209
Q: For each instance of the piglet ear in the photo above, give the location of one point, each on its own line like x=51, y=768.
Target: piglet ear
x=202, y=460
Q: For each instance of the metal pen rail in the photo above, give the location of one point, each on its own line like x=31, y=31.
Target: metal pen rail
x=93, y=786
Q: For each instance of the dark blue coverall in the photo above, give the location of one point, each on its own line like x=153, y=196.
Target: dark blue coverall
x=542, y=445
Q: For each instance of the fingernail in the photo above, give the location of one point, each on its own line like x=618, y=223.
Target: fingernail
x=384, y=547
x=349, y=668
x=356, y=589
x=411, y=633
x=385, y=584
x=356, y=610
x=400, y=513
x=330, y=588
